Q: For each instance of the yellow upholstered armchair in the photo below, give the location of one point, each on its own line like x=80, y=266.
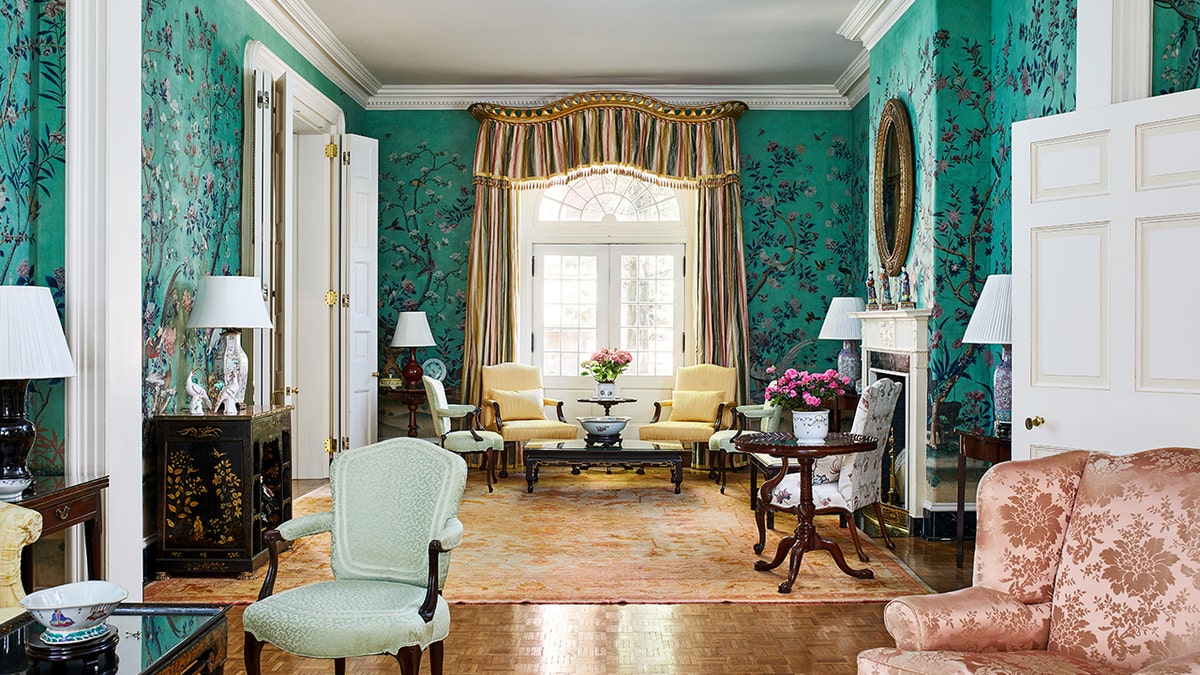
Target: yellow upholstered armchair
x=514, y=406
x=701, y=404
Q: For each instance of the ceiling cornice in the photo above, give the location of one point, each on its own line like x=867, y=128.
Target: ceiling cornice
x=853, y=82
x=760, y=97
x=871, y=19
x=305, y=31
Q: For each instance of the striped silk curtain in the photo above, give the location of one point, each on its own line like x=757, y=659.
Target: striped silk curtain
x=535, y=147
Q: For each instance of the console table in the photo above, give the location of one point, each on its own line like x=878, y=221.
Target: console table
x=985, y=449
x=64, y=502
x=223, y=480
x=606, y=403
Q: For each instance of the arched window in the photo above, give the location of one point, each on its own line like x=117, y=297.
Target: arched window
x=608, y=196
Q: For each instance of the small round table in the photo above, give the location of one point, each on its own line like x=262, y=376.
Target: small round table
x=607, y=403
x=805, y=537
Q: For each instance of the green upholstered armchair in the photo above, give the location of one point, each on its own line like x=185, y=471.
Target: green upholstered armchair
x=472, y=438
x=721, y=442
x=394, y=518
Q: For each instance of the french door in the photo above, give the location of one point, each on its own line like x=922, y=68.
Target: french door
x=625, y=296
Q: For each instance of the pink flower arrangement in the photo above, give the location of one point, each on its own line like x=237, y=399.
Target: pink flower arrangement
x=802, y=390
x=606, y=364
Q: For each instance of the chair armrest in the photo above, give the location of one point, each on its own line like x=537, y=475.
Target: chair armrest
x=975, y=619
x=496, y=413
x=721, y=408
x=455, y=410
x=1188, y=664
x=658, y=406
x=755, y=411
x=451, y=534
x=290, y=530
x=558, y=407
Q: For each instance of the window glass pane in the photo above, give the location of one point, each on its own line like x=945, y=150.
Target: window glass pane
x=553, y=265
x=551, y=364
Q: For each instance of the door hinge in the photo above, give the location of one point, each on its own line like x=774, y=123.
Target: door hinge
x=683, y=343
x=331, y=298
x=331, y=150
x=531, y=343
x=330, y=445
x=345, y=442
x=346, y=158
x=533, y=266
x=262, y=99
x=345, y=299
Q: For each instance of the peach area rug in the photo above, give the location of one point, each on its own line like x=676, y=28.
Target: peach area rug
x=600, y=538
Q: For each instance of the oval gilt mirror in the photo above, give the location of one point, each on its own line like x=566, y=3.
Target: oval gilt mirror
x=893, y=186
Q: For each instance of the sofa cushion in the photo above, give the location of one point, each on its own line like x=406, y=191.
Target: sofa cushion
x=898, y=662
x=1128, y=588
x=1026, y=506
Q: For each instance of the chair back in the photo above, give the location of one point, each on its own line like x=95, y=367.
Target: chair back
x=390, y=499
x=707, y=377
x=859, y=479
x=508, y=376
x=771, y=424
x=435, y=397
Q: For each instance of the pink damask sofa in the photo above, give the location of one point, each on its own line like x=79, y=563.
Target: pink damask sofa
x=1084, y=563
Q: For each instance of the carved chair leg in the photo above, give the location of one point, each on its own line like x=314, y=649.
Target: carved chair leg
x=339, y=666
x=713, y=470
x=759, y=521
x=723, y=459
x=251, y=651
x=504, y=458
x=883, y=527
x=854, y=537
x=409, y=659
x=436, y=651
x=489, y=466
x=753, y=485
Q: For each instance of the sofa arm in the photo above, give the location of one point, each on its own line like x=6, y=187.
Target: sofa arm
x=975, y=619
x=1188, y=664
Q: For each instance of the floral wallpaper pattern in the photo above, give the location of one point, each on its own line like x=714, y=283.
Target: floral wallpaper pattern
x=966, y=76
x=191, y=188
x=1175, y=46
x=32, y=182
x=801, y=221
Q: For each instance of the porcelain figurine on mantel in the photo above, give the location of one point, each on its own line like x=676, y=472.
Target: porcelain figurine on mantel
x=872, y=300
x=906, y=298
x=885, y=290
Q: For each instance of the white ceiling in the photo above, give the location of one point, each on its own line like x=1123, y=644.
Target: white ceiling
x=587, y=44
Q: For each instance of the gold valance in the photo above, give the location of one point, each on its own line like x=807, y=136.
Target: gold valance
x=607, y=99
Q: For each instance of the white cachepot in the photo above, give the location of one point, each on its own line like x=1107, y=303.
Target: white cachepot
x=810, y=426
x=606, y=390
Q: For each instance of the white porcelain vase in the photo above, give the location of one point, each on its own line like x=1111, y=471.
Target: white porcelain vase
x=810, y=426
x=606, y=390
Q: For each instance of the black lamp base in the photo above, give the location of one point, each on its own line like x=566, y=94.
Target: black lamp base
x=17, y=433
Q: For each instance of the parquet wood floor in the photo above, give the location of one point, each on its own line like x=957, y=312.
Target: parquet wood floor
x=650, y=639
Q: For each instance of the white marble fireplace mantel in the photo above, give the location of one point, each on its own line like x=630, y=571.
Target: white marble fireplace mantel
x=905, y=331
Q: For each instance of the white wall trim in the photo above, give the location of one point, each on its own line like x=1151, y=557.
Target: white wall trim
x=855, y=81
x=310, y=103
x=305, y=31
x=104, y=291
x=870, y=20
x=1113, y=54
x=1131, y=38
x=762, y=97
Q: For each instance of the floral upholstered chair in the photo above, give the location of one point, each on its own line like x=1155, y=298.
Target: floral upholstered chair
x=721, y=443
x=472, y=438
x=701, y=404
x=19, y=527
x=514, y=406
x=394, y=520
x=1084, y=563
x=842, y=484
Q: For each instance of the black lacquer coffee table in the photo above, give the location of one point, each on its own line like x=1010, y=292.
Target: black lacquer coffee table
x=577, y=453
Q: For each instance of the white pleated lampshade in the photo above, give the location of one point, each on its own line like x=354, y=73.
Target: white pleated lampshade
x=412, y=330
x=32, y=344
x=991, y=322
x=229, y=302
x=839, y=325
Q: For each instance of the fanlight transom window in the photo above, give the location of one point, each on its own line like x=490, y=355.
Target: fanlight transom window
x=608, y=196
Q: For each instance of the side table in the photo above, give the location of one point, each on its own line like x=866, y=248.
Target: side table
x=985, y=449
x=413, y=398
x=607, y=403
x=64, y=502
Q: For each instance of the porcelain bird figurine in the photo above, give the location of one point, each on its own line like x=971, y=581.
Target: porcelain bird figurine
x=197, y=395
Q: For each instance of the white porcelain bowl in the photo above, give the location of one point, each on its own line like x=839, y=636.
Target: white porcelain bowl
x=74, y=612
x=604, y=426
x=11, y=488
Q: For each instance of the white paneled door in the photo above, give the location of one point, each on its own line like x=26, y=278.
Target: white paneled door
x=1106, y=229
x=360, y=219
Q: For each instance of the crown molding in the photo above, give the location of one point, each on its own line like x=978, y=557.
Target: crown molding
x=870, y=20
x=854, y=82
x=304, y=30
x=762, y=97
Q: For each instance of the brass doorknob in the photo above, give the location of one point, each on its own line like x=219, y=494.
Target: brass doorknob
x=1031, y=422
x=374, y=374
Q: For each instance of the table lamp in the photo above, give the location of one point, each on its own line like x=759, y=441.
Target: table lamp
x=412, y=331
x=231, y=304
x=839, y=325
x=991, y=323
x=34, y=348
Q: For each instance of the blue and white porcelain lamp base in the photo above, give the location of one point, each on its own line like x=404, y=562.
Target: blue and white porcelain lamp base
x=1002, y=393
x=850, y=361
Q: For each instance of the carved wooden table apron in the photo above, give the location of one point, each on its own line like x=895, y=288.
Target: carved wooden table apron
x=805, y=537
